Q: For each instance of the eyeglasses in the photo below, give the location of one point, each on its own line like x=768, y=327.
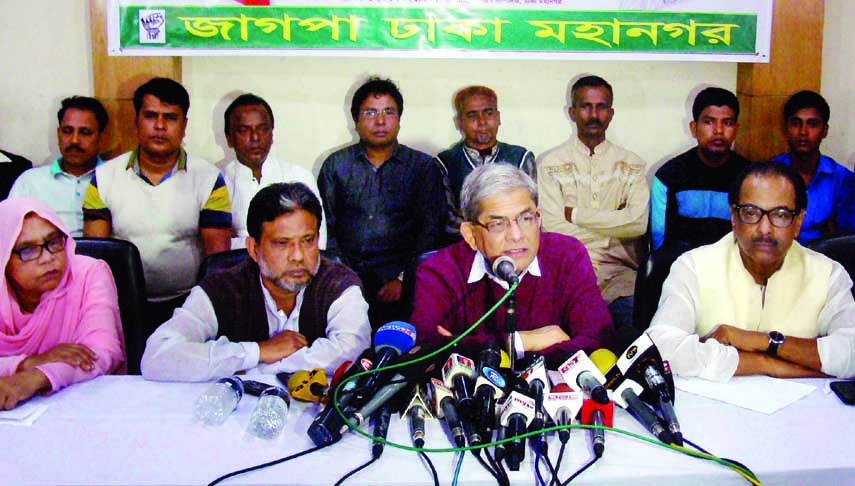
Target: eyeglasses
x=372, y=113
x=33, y=252
x=779, y=217
x=526, y=220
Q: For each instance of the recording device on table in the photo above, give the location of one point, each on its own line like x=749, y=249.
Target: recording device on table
x=845, y=391
x=597, y=407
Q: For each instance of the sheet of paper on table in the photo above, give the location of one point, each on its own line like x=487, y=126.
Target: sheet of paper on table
x=759, y=393
x=24, y=414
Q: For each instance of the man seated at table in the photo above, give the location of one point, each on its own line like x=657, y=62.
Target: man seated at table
x=757, y=302
x=558, y=305
x=284, y=309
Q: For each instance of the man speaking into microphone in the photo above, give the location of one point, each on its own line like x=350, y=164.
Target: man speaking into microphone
x=559, y=309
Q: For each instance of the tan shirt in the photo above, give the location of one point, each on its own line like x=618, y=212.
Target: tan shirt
x=609, y=194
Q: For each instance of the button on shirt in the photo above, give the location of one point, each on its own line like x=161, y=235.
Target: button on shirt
x=831, y=194
x=379, y=218
x=60, y=190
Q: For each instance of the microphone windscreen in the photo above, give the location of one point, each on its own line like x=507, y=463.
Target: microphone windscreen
x=300, y=385
x=398, y=335
x=506, y=361
x=603, y=359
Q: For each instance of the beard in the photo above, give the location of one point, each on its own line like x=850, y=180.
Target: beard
x=282, y=280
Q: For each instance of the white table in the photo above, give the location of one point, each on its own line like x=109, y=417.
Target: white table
x=124, y=430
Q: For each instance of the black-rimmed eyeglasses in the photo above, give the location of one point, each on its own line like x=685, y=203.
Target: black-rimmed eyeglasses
x=33, y=252
x=780, y=217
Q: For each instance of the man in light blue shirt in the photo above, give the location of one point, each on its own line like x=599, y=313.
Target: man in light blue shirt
x=62, y=184
x=830, y=186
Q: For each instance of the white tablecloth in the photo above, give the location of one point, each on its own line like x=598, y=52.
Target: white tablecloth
x=124, y=430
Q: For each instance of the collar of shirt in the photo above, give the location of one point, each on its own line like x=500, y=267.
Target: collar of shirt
x=245, y=173
x=394, y=156
x=479, y=269
x=474, y=155
x=599, y=150
x=3, y=158
x=277, y=320
x=56, y=167
x=180, y=164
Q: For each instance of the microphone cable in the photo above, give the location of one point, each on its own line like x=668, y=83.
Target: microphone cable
x=505, y=480
x=354, y=471
x=735, y=465
x=555, y=480
x=581, y=470
x=425, y=457
x=457, y=468
x=266, y=464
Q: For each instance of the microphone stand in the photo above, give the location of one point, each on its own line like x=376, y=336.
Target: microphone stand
x=511, y=327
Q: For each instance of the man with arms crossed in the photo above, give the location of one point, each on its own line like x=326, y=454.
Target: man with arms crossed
x=558, y=306
x=285, y=309
x=757, y=302
x=596, y=191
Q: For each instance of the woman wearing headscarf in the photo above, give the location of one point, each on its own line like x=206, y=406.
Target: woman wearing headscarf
x=59, y=312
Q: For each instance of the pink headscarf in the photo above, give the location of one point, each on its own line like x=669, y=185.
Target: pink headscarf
x=60, y=311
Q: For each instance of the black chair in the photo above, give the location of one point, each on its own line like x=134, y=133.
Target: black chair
x=648, y=284
x=840, y=249
x=124, y=260
x=221, y=261
x=408, y=286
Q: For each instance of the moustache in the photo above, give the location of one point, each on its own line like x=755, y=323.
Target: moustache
x=76, y=148
x=593, y=123
x=767, y=240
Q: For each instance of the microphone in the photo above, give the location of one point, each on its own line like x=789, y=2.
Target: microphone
x=381, y=429
x=326, y=426
x=489, y=387
x=538, y=384
x=516, y=414
x=595, y=413
x=306, y=386
x=505, y=268
x=417, y=410
x=562, y=405
x=390, y=341
x=657, y=383
x=445, y=407
x=579, y=370
x=490, y=357
x=626, y=396
x=458, y=374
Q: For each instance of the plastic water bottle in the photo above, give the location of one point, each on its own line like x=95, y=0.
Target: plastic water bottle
x=268, y=418
x=220, y=399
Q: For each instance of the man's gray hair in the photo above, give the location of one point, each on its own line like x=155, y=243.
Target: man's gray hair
x=491, y=180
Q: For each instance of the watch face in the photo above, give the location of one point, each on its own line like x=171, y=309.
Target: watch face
x=776, y=337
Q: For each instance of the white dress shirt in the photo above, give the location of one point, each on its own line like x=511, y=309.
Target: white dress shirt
x=673, y=328
x=186, y=348
x=242, y=186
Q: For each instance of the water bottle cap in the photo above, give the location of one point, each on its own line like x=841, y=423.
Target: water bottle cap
x=279, y=392
x=235, y=383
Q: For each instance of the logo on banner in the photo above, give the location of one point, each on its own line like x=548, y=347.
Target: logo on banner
x=152, y=26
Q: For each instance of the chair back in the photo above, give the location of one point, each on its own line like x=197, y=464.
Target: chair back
x=221, y=261
x=648, y=284
x=124, y=260
x=840, y=249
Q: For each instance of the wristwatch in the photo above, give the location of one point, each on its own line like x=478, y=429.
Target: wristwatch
x=776, y=339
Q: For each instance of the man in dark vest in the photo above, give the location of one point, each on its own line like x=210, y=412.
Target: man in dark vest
x=284, y=309
x=478, y=119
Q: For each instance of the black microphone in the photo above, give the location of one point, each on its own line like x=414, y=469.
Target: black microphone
x=489, y=387
x=417, y=411
x=381, y=429
x=458, y=374
x=581, y=372
x=325, y=429
x=516, y=414
x=490, y=356
x=657, y=383
x=505, y=268
x=445, y=407
x=626, y=395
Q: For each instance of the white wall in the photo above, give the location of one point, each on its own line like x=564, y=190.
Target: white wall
x=46, y=56
x=311, y=95
x=838, y=79
x=311, y=101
